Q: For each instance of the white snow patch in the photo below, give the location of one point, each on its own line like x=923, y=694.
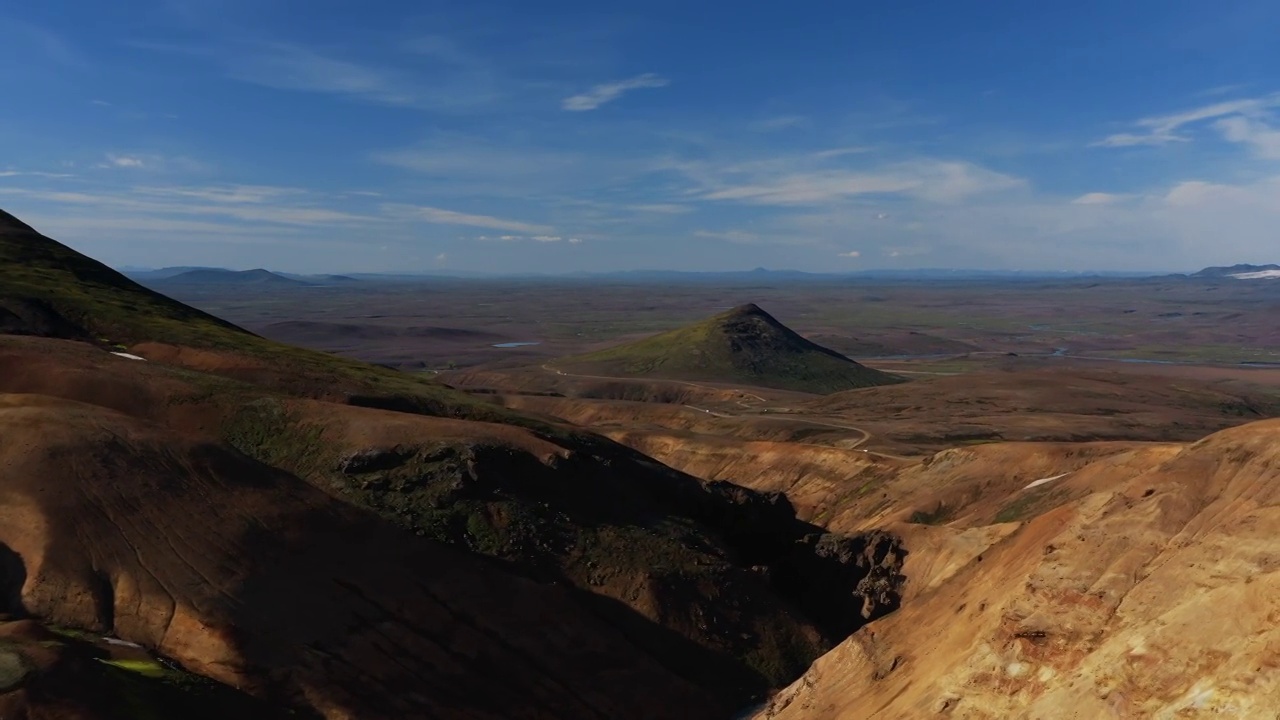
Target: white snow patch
x=1259, y=275
x=127, y=355
x=118, y=641
x=1046, y=481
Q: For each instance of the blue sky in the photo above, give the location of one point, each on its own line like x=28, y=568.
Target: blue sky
x=561, y=136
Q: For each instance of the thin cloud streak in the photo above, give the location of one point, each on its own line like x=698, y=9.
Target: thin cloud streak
x=25, y=173
x=733, y=236
x=440, y=216
x=125, y=161
x=1164, y=129
x=1100, y=198
x=251, y=194
x=608, y=92
x=53, y=46
x=931, y=180
x=150, y=205
x=292, y=67
x=299, y=68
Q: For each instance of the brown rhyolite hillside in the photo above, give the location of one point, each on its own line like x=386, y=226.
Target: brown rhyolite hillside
x=1142, y=583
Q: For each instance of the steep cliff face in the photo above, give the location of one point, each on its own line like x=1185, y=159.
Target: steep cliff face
x=1147, y=588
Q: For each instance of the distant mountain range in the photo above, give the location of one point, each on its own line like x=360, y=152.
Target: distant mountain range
x=193, y=275
x=223, y=276
x=641, y=276
x=1241, y=272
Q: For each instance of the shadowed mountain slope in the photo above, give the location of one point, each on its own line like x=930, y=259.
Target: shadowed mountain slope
x=744, y=345
x=249, y=576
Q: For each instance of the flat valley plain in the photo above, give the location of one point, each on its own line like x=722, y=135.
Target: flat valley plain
x=1152, y=359
x=434, y=323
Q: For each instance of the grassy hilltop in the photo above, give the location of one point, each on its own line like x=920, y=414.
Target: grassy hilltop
x=744, y=345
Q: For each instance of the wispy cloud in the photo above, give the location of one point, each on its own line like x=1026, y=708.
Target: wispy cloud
x=293, y=67
x=897, y=252
x=25, y=173
x=533, y=238
x=455, y=156
x=733, y=236
x=840, y=152
x=1164, y=129
x=251, y=194
x=1260, y=136
x=608, y=92
x=851, y=254
x=781, y=122
x=933, y=180
x=49, y=44
x=1100, y=198
x=660, y=208
x=456, y=167
x=147, y=202
x=440, y=216
x=809, y=188
x=151, y=163
x=539, y=239
x=296, y=67
x=125, y=161
x=171, y=228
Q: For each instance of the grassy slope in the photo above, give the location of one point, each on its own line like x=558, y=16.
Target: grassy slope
x=92, y=296
x=745, y=345
x=116, y=311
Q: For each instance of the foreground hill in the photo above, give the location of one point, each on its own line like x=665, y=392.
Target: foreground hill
x=253, y=578
x=745, y=345
x=49, y=290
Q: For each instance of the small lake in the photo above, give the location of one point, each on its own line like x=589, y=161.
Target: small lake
x=515, y=344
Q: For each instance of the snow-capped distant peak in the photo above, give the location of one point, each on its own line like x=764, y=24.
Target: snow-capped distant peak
x=1260, y=275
